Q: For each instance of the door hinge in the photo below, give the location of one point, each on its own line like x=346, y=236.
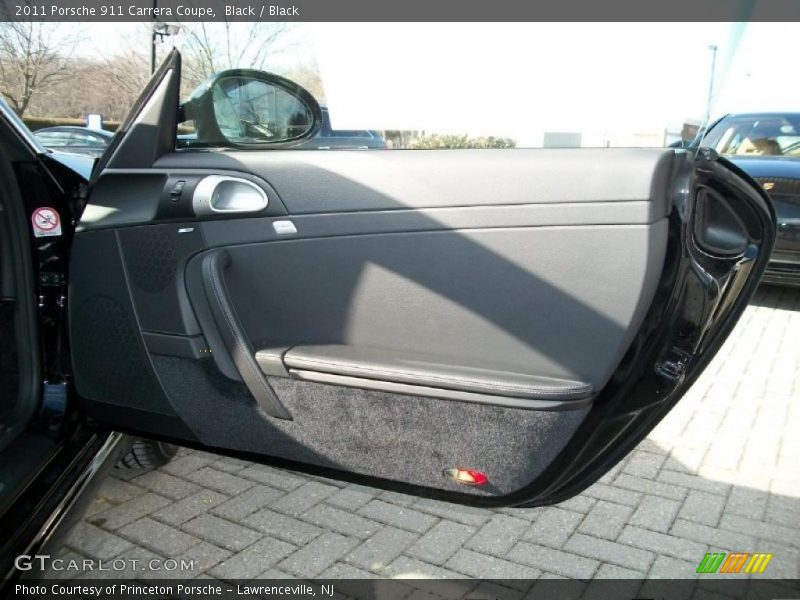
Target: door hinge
x=52, y=287
x=51, y=279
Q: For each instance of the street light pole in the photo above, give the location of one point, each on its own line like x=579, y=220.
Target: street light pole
x=159, y=32
x=153, y=38
x=153, y=53
x=713, y=48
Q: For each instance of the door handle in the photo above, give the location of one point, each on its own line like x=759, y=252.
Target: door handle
x=220, y=194
x=233, y=336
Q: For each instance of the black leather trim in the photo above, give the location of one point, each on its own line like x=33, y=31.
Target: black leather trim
x=233, y=336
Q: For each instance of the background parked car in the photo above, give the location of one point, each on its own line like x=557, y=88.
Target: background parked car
x=767, y=147
x=355, y=139
x=78, y=140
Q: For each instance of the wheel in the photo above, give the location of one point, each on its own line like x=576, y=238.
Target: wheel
x=147, y=454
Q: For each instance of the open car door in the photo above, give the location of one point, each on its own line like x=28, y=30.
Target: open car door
x=485, y=326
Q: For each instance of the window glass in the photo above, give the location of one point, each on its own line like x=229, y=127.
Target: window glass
x=87, y=140
x=350, y=133
x=53, y=139
x=757, y=136
x=513, y=85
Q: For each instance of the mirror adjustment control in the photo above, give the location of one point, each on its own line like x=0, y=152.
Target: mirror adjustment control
x=176, y=191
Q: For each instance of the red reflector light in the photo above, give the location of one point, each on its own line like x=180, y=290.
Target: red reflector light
x=467, y=476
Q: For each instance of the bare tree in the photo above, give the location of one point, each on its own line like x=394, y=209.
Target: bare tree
x=211, y=47
x=108, y=83
x=33, y=59
x=126, y=75
x=105, y=85
x=307, y=75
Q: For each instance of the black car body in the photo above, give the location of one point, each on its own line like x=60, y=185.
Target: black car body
x=767, y=147
x=75, y=140
x=328, y=138
x=410, y=320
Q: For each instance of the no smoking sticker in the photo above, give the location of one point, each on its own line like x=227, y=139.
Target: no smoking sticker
x=46, y=222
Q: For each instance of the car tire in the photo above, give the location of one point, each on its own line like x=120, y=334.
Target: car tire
x=147, y=454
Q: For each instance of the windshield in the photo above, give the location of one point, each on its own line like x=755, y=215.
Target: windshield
x=756, y=135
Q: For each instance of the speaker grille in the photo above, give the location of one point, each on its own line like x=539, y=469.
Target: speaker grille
x=111, y=355
x=151, y=257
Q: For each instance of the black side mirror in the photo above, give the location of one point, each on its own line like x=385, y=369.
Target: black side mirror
x=243, y=108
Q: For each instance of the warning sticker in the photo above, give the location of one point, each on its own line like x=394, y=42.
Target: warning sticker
x=46, y=222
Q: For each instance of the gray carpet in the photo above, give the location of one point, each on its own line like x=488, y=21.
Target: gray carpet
x=403, y=438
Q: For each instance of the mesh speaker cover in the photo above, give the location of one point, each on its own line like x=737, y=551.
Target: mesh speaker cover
x=154, y=255
x=109, y=357
x=151, y=257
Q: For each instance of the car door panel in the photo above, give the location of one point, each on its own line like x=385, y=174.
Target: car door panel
x=536, y=301
x=506, y=316
x=529, y=314
x=353, y=181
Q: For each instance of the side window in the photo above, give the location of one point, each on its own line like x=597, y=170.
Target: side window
x=584, y=87
x=87, y=140
x=755, y=137
x=349, y=133
x=53, y=139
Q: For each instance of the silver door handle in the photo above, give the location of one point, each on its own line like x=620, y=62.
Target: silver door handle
x=219, y=194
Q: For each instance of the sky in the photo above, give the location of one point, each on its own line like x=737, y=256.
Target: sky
x=521, y=79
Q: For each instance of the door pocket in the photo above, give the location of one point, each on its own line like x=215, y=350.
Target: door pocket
x=383, y=370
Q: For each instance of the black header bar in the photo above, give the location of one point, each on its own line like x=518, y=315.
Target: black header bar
x=401, y=10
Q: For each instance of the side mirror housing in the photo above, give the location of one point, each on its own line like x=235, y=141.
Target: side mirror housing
x=244, y=108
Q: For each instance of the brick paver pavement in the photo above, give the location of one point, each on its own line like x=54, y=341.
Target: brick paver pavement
x=720, y=473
